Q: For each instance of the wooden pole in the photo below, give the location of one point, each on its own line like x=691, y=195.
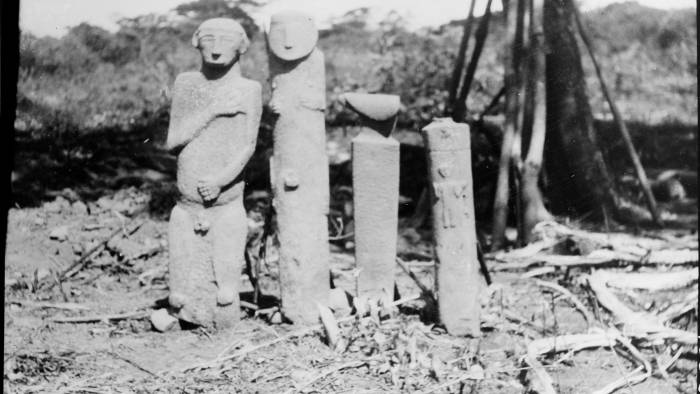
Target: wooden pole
x=500, y=205
x=636, y=162
x=461, y=55
x=534, y=210
x=480, y=38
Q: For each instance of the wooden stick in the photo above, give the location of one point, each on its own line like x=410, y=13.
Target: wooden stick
x=413, y=276
x=84, y=259
x=641, y=174
x=653, y=281
x=100, y=318
x=461, y=55
x=494, y=101
x=571, y=297
x=71, y=306
x=480, y=38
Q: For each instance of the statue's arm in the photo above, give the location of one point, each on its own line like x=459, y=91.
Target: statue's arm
x=185, y=123
x=253, y=111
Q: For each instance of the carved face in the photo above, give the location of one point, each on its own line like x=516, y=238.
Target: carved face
x=220, y=42
x=292, y=35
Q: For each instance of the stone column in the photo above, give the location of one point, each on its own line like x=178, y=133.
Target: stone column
x=454, y=230
x=375, y=179
x=299, y=167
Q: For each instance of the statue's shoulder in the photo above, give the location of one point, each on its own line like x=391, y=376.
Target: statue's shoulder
x=250, y=85
x=188, y=78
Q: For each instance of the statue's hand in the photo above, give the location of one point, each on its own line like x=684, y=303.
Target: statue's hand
x=228, y=109
x=208, y=189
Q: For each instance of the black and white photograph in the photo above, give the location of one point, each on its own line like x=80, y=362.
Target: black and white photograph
x=356, y=196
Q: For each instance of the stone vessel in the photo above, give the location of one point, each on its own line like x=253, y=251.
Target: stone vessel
x=375, y=182
x=457, y=269
x=299, y=166
x=213, y=129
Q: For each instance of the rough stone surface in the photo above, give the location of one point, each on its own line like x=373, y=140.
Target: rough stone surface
x=450, y=174
x=299, y=166
x=213, y=129
x=375, y=178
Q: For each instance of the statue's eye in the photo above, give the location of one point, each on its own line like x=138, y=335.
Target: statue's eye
x=228, y=39
x=206, y=40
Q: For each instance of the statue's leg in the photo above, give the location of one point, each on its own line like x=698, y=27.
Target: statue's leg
x=229, y=231
x=191, y=277
x=181, y=245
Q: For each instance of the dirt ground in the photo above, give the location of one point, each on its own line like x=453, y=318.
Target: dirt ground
x=400, y=352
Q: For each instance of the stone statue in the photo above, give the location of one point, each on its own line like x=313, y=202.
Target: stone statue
x=375, y=183
x=299, y=166
x=458, y=281
x=213, y=129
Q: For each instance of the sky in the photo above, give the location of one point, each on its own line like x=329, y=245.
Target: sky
x=54, y=17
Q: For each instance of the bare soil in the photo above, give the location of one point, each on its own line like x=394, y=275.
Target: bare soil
x=402, y=352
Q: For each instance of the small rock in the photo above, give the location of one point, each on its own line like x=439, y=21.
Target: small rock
x=276, y=318
x=59, y=233
x=57, y=205
x=40, y=274
x=162, y=321
x=79, y=208
x=338, y=300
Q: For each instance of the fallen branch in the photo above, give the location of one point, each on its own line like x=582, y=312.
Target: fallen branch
x=101, y=318
x=571, y=297
x=639, y=325
x=84, y=259
x=653, y=281
x=71, y=306
x=423, y=288
x=574, y=343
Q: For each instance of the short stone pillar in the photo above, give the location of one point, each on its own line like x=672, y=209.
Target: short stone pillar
x=375, y=179
x=454, y=229
x=299, y=166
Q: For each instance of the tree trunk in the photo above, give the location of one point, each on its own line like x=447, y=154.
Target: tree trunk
x=534, y=210
x=579, y=179
x=511, y=83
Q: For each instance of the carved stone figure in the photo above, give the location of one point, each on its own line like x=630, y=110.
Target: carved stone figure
x=213, y=129
x=450, y=173
x=299, y=166
x=375, y=181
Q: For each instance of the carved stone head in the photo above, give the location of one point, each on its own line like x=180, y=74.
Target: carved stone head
x=292, y=35
x=220, y=41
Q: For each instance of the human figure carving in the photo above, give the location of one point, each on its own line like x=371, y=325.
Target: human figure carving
x=213, y=129
x=299, y=166
x=457, y=269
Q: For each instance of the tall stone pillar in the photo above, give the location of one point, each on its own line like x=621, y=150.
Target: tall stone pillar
x=454, y=229
x=375, y=179
x=299, y=167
